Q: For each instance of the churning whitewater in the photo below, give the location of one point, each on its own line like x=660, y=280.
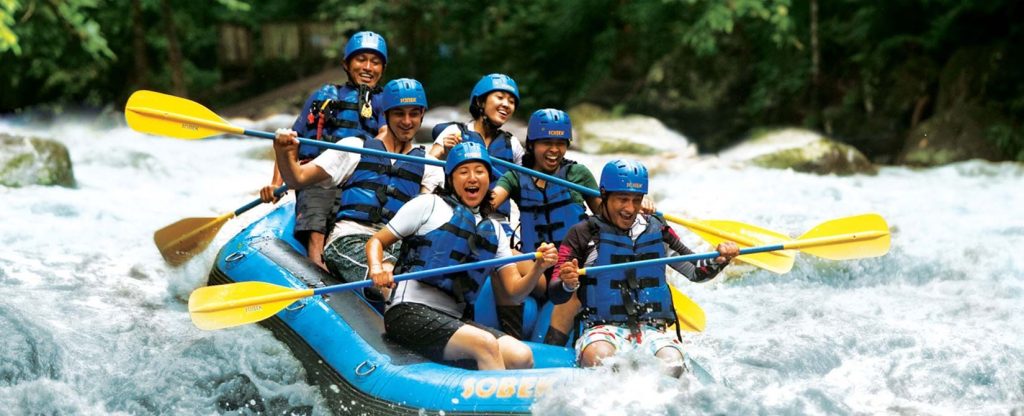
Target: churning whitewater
x=94, y=321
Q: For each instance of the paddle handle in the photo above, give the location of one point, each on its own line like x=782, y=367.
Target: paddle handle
x=343, y=148
x=430, y=273
x=277, y=193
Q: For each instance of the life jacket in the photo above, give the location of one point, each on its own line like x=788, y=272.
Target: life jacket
x=630, y=296
x=377, y=188
x=501, y=148
x=460, y=240
x=545, y=215
x=340, y=111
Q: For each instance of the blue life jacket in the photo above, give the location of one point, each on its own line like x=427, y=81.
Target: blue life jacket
x=377, y=188
x=501, y=148
x=630, y=296
x=545, y=215
x=460, y=240
x=333, y=113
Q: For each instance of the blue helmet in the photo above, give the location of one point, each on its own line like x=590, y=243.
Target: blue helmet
x=467, y=152
x=403, y=92
x=624, y=176
x=366, y=42
x=489, y=84
x=549, y=123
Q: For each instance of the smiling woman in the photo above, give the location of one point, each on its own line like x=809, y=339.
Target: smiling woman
x=434, y=316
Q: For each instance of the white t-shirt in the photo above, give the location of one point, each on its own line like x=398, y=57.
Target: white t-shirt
x=340, y=165
x=517, y=148
x=421, y=215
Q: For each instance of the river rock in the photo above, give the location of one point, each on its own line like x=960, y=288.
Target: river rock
x=801, y=150
x=633, y=135
x=954, y=135
x=34, y=161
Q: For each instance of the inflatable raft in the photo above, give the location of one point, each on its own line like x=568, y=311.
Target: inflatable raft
x=341, y=341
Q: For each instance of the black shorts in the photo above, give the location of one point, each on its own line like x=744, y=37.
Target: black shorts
x=424, y=329
x=315, y=208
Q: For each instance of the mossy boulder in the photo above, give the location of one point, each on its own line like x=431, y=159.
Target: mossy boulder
x=630, y=134
x=954, y=135
x=801, y=150
x=34, y=161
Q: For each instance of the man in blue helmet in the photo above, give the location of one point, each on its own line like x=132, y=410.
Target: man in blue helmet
x=372, y=188
x=626, y=309
x=331, y=113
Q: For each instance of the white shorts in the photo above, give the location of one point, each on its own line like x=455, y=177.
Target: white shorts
x=651, y=339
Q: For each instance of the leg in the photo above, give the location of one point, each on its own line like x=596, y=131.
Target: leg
x=477, y=344
x=514, y=353
x=440, y=336
x=599, y=342
x=315, y=249
x=667, y=348
x=593, y=354
x=562, y=317
x=346, y=259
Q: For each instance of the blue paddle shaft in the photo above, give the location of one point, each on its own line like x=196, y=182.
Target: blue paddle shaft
x=360, y=150
x=429, y=273
x=678, y=259
x=277, y=192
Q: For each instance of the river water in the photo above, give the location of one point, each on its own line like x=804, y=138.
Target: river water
x=94, y=322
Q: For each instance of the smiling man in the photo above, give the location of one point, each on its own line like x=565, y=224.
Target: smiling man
x=373, y=188
x=331, y=113
x=626, y=309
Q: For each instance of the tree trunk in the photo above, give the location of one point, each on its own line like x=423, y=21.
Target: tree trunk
x=174, y=59
x=815, y=65
x=140, y=78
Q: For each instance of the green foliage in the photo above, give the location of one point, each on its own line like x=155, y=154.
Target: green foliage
x=8, y=40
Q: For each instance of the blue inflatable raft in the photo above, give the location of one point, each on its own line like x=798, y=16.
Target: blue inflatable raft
x=359, y=370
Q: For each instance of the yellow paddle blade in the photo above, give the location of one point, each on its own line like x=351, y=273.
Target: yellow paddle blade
x=182, y=240
x=857, y=237
x=689, y=316
x=745, y=236
x=166, y=115
x=780, y=261
x=224, y=306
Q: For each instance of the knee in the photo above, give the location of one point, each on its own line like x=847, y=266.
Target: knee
x=674, y=361
x=485, y=346
x=515, y=353
x=594, y=353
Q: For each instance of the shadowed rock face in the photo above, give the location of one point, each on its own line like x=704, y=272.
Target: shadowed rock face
x=34, y=161
x=802, y=151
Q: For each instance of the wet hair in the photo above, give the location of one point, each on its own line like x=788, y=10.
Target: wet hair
x=449, y=190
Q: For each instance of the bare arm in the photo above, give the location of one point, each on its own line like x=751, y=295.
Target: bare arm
x=380, y=275
x=286, y=151
x=516, y=286
x=498, y=196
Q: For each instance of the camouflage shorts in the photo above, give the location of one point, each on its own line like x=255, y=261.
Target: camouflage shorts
x=345, y=257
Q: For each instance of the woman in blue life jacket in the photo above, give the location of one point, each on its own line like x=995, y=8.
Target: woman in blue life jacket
x=434, y=316
x=492, y=103
x=546, y=210
x=626, y=309
x=373, y=188
x=332, y=113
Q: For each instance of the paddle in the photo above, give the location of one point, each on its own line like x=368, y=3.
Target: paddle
x=714, y=231
x=860, y=236
x=224, y=306
x=167, y=115
x=182, y=240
